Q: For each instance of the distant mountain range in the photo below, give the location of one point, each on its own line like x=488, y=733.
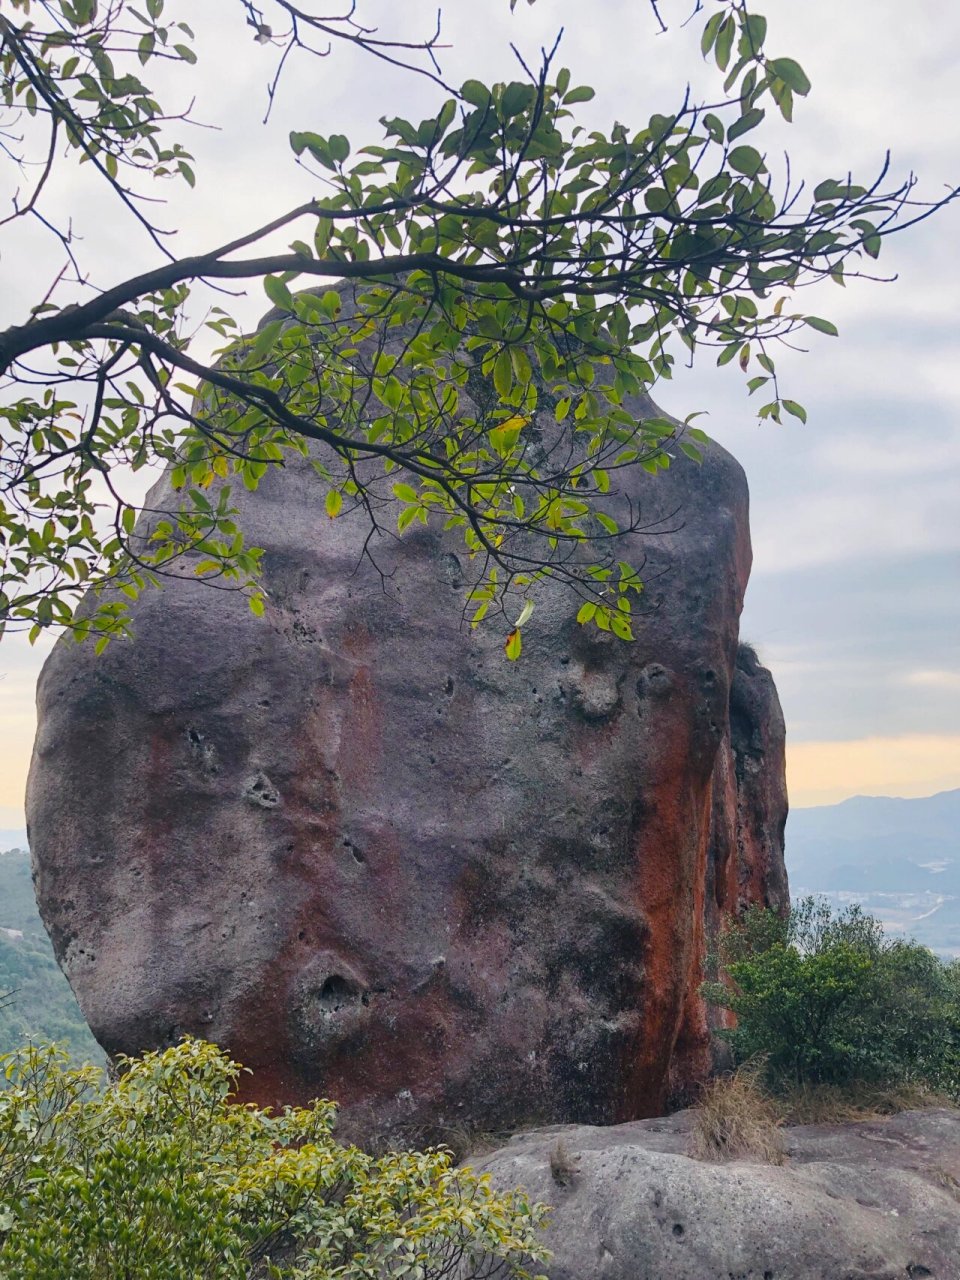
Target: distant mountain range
x=899, y=858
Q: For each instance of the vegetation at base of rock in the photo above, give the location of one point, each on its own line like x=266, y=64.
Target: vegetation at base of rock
x=737, y=1119
x=856, y=1101
x=162, y=1177
x=38, y=1004
x=829, y=999
x=551, y=275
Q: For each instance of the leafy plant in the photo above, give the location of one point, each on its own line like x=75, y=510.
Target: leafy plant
x=161, y=1176
x=515, y=283
x=829, y=999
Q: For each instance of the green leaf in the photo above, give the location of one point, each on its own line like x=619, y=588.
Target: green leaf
x=516, y=98
x=406, y=493
x=746, y=160
x=797, y=410
x=334, y=503
x=278, y=293
x=821, y=326
x=503, y=373
x=586, y=611
x=265, y=340
x=513, y=645
x=525, y=613
x=749, y=120
x=754, y=33
x=583, y=93
x=620, y=626
x=710, y=31
x=791, y=73
x=657, y=200
x=724, y=42
x=475, y=92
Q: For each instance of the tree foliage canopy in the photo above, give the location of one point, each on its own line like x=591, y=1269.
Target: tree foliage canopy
x=520, y=283
x=829, y=999
x=161, y=1176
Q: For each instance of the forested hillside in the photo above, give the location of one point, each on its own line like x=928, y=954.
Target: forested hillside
x=37, y=1001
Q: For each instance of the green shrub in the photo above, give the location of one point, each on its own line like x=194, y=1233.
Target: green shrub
x=159, y=1176
x=829, y=999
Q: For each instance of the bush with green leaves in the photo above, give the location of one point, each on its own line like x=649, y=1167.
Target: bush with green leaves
x=830, y=999
x=161, y=1176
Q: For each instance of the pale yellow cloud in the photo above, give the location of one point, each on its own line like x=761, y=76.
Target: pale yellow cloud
x=916, y=764
x=19, y=724
x=933, y=679
x=20, y=665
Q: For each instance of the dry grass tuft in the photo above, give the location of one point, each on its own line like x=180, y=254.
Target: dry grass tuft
x=564, y=1166
x=945, y=1180
x=737, y=1119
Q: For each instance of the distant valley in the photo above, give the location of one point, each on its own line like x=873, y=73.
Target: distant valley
x=900, y=859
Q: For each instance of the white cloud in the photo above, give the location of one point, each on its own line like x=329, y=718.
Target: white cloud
x=933, y=679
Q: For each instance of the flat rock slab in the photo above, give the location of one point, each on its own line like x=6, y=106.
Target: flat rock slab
x=867, y=1201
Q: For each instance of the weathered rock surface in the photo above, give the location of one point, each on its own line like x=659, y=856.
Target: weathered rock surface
x=353, y=844
x=877, y=1201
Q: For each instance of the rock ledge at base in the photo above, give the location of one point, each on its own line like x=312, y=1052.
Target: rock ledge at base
x=867, y=1201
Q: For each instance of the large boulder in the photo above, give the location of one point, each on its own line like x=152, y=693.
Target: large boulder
x=869, y=1201
x=377, y=861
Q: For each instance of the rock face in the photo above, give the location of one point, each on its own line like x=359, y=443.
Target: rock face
x=878, y=1201
x=377, y=861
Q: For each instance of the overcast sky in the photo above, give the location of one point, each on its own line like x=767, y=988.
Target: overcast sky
x=855, y=596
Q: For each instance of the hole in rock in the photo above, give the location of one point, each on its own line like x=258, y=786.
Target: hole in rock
x=352, y=849
x=335, y=993
x=260, y=791
x=678, y=1230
